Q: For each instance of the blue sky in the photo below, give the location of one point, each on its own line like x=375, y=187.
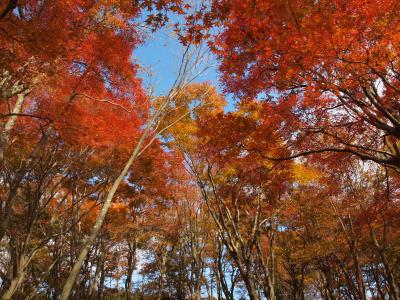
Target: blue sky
x=161, y=55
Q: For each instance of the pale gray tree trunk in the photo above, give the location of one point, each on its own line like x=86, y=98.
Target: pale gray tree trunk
x=181, y=81
x=17, y=279
x=99, y=220
x=5, y=135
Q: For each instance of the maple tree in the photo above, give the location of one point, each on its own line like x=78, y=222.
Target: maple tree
x=332, y=67
x=110, y=192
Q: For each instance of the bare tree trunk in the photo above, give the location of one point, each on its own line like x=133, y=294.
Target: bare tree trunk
x=161, y=278
x=100, y=291
x=5, y=135
x=360, y=280
x=197, y=294
x=17, y=279
x=328, y=289
x=96, y=279
x=271, y=271
x=220, y=274
x=394, y=289
x=131, y=266
x=99, y=221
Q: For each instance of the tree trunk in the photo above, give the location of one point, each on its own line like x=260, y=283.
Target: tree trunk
x=96, y=279
x=131, y=267
x=100, y=291
x=5, y=135
x=99, y=221
x=161, y=278
x=394, y=290
x=360, y=281
x=197, y=294
x=17, y=279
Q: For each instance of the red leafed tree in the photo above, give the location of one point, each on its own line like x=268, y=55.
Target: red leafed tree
x=67, y=73
x=60, y=76
x=333, y=67
x=95, y=173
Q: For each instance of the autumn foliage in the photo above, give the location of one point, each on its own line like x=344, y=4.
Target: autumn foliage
x=289, y=192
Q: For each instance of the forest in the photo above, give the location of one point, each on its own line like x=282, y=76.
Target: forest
x=279, y=180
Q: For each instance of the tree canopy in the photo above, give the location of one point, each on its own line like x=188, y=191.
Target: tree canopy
x=111, y=191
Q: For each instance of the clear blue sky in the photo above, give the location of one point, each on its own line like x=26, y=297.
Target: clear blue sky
x=161, y=54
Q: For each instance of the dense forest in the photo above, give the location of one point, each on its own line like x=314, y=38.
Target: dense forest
x=279, y=181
